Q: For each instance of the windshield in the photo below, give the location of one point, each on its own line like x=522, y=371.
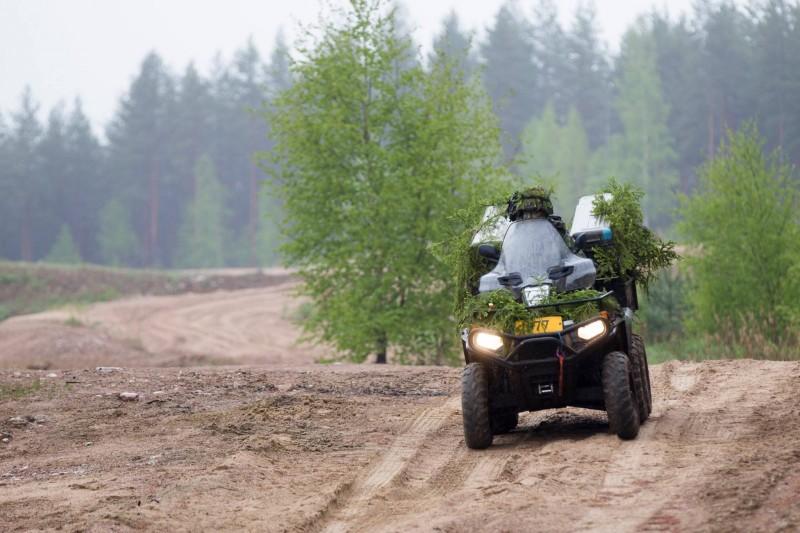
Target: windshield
x=530, y=248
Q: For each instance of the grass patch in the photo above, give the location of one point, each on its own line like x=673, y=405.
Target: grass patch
x=754, y=346
x=33, y=287
x=73, y=322
x=14, y=278
x=660, y=353
x=30, y=288
x=78, y=299
x=135, y=344
x=690, y=349
x=15, y=392
x=39, y=303
x=299, y=314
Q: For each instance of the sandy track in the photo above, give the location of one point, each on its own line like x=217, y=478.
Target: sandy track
x=691, y=467
x=354, y=448
x=247, y=326
x=252, y=326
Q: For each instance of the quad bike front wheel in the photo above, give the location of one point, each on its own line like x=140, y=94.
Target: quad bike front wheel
x=475, y=406
x=620, y=396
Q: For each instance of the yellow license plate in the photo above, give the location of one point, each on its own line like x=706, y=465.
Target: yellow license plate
x=545, y=324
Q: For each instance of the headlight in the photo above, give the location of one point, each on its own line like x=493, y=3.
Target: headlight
x=488, y=341
x=592, y=330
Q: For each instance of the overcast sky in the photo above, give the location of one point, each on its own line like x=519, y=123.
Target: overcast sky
x=92, y=48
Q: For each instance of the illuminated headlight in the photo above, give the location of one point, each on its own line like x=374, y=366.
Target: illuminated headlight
x=488, y=341
x=592, y=330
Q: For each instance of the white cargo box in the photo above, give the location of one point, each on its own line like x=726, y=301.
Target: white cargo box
x=583, y=220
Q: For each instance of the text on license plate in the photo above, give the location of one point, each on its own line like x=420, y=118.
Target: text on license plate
x=545, y=324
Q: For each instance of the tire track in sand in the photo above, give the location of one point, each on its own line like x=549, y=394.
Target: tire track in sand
x=562, y=471
x=425, y=464
x=700, y=413
x=390, y=467
x=248, y=326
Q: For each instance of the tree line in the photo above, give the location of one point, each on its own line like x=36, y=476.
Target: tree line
x=653, y=112
x=175, y=183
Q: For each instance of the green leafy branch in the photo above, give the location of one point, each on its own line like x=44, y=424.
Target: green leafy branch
x=635, y=252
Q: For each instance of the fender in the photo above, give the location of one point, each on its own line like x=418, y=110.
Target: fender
x=627, y=316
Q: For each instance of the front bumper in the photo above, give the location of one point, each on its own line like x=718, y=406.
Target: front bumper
x=547, y=370
x=521, y=351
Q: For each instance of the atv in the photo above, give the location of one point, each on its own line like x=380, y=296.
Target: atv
x=551, y=361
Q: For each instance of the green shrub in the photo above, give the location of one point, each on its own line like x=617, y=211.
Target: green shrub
x=635, y=252
x=64, y=250
x=499, y=310
x=743, y=219
x=663, y=307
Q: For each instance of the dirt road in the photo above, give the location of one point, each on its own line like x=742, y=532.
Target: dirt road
x=299, y=447
x=348, y=448
x=252, y=326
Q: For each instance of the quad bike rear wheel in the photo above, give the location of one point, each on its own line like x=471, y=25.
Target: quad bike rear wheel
x=620, y=396
x=638, y=350
x=475, y=406
x=638, y=368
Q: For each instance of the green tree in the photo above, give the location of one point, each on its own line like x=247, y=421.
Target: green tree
x=64, y=250
x=557, y=156
x=744, y=220
x=643, y=154
x=24, y=187
x=268, y=234
x=678, y=55
x=726, y=67
x=374, y=158
x=240, y=133
x=85, y=189
x=777, y=64
x=51, y=187
x=572, y=161
x=510, y=75
x=549, y=46
x=202, y=232
x=116, y=239
x=141, y=156
x=540, y=141
x=456, y=44
x=7, y=232
x=585, y=79
x=279, y=76
x=268, y=238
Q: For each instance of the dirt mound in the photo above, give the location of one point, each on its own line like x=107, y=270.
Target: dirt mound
x=28, y=345
x=355, y=448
